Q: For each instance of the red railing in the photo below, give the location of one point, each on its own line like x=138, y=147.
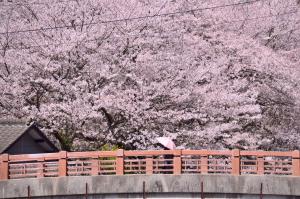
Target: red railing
x=123, y=162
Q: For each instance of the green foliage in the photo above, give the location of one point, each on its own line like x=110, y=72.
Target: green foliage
x=65, y=139
x=109, y=147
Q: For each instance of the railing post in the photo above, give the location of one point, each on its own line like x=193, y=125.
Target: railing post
x=235, y=161
x=120, y=162
x=149, y=165
x=95, y=166
x=177, y=162
x=260, y=165
x=296, y=162
x=4, y=167
x=204, y=164
x=62, y=164
x=40, y=173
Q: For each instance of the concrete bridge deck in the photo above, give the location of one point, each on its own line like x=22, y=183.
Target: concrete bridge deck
x=154, y=186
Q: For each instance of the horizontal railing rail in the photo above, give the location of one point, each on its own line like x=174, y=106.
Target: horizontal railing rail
x=121, y=162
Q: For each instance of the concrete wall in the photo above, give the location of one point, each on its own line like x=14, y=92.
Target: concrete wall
x=173, y=196
x=156, y=186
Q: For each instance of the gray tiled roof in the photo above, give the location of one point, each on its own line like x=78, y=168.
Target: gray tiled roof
x=10, y=131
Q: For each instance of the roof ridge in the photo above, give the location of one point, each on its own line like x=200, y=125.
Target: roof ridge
x=13, y=122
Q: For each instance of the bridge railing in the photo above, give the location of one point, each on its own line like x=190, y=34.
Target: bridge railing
x=121, y=162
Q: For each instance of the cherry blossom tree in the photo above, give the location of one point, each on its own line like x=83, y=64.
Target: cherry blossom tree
x=210, y=74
